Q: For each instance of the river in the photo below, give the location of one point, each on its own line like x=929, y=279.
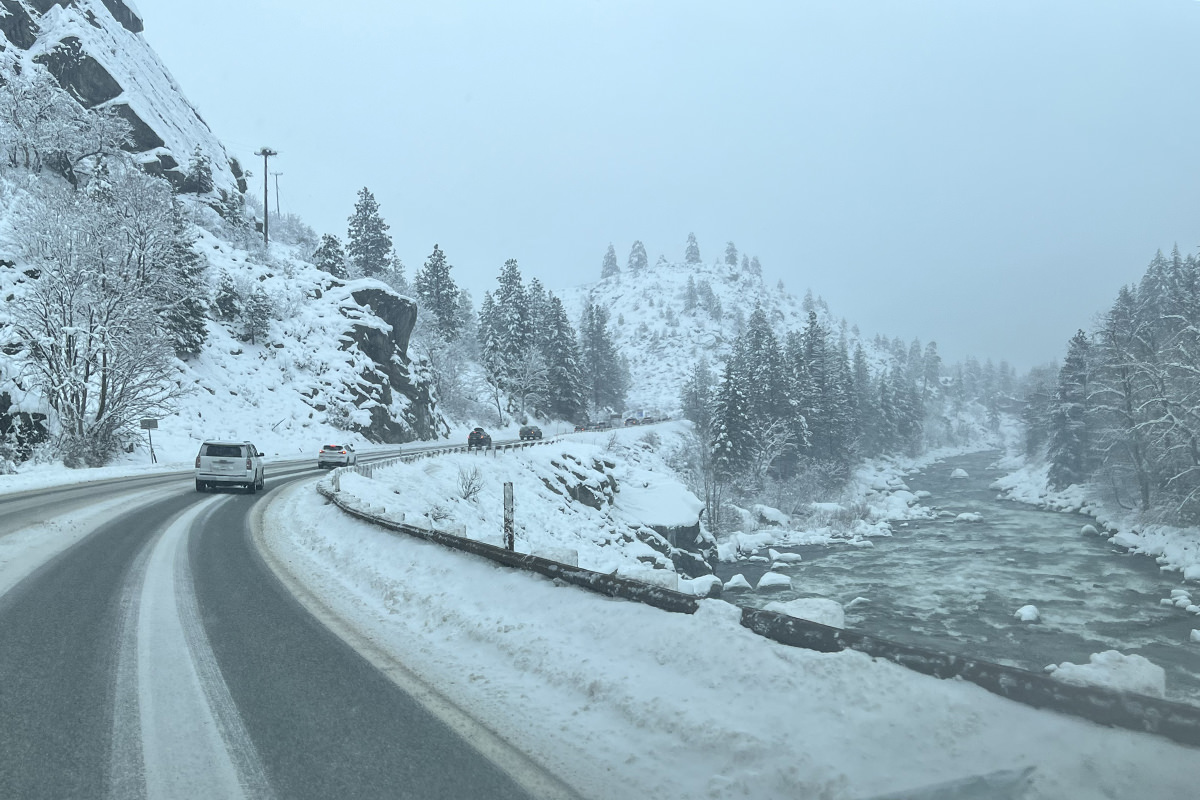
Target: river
x=954, y=586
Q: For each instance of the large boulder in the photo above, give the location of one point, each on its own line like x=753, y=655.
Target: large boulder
x=401, y=407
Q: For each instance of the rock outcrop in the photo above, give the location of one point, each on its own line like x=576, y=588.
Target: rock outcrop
x=95, y=51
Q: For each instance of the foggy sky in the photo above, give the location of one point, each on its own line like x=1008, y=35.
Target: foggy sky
x=986, y=174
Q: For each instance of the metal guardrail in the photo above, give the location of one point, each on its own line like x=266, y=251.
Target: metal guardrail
x=1179, y=722
x=368, y=470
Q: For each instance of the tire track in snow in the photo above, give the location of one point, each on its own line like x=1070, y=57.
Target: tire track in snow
x=176, y=731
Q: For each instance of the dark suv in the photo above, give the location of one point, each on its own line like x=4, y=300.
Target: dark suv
x=479, y=438
x=531, y=432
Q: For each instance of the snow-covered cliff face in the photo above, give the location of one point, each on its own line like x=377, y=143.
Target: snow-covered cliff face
x=94, y=49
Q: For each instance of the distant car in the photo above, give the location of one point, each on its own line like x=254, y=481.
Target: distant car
x=237, y=464
x=479, y=439
x=337, y=455
x=530, y=432
x=631, y=421
x=648, y=421
x=581, y=427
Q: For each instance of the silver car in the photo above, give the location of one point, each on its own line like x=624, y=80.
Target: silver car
x=236, y=464
x=337, y=455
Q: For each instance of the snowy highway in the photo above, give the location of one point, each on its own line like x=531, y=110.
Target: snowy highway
x=147, y=650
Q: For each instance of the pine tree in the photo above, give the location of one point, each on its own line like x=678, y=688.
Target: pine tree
x=756, y=269
x=638, y=260
x=1070, y=417
x=565, y=397
x=259, y=310
x=330, y=257
x=692, y=253
x=609, y=268
x=731, y=254
x=228, y=301
x=183, y=294
x=439, y=294
x=691, y=298
x=369, y=247
x=605, y=378
x=198, y=179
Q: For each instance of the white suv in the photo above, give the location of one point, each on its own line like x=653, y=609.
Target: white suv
x=229, y=464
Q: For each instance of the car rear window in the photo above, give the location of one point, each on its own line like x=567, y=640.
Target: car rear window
x=223, y=450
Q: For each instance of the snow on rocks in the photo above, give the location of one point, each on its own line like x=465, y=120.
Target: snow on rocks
x=704, y=586
x=814, y=609
x=959, y=473
x=773, y=581
x=1089, y=530
x=1114, y=670
x=969, y=516
x=1195, y=638
x=738, y=583
x=783, y=558
x=1028, y=614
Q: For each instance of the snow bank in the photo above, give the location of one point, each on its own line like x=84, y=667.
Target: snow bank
x=814, y=609
x=1114, y=670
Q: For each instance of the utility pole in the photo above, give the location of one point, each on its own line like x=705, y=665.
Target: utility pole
x=266, y=153
x=277, y=174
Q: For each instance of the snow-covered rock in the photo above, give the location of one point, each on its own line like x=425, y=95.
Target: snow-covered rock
x=1089, y=530
x=969, y=516
x=773, y=581
x=784, y=558
x=1028, y=614
x=959, y=473
x=704, y=586
x=1195, y=636
x=737, y=583
x=1114, y=670
x=814, y=609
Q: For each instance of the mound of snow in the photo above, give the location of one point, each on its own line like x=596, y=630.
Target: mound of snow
x=1028, y=614
x=784, y=558
x=814, y=609
x=969, y=516
x=959, y=473
x=1195, y=636
x=1117, y=671
x=704, y=586
x=1089, y=530
x=774, y=581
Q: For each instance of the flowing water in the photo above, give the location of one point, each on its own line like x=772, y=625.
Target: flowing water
x=954, y=586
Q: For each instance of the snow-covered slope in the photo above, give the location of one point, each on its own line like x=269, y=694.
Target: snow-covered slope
x=662, y=333
x=95, y=51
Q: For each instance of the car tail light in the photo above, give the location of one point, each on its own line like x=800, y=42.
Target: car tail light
x=248, y=464
x=197, y=462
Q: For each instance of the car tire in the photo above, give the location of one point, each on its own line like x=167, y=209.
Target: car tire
x=262, y=480
x=200, y=487
x=252, y=487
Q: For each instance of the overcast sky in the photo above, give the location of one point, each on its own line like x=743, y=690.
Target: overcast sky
x=986, y=173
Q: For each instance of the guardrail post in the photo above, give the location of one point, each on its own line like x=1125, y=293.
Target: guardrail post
x=509, y=530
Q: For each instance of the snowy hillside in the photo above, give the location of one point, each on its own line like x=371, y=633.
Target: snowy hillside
x=95, y=51
x=663, y=329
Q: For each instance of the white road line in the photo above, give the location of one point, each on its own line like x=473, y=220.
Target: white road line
x=175, y=724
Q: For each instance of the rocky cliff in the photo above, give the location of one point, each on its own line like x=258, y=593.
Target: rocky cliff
x=94, y=49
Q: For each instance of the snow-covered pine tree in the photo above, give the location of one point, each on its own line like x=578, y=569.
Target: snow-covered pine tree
x=438, y=294
x=731, y=254
x=368, y=245
x=608, y=267
x=259, y=310
x=691, y=254
x=691, y=297
x=604, y=377
x=638, y=260
x=228, y=301
x=756, y=269
x=198, y=179
x=745, y=263
x=1070, y=418
x=565, y=397
x=183, y=293
x=330, y=257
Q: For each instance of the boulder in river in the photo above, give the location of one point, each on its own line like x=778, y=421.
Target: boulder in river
x=1028, y=614
x=1089, y=530
x=959, y=473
